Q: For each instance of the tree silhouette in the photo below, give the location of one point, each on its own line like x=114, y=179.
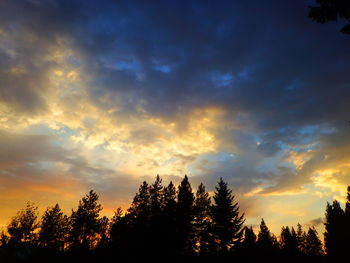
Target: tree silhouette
x=301, y=238
x=289, y=241
x=331, y=10
x=227, y=221
x=313, y=245
x=165, y=224
x=267, y=242
x=23, y=226
x=248, y=246
x=54, y=228
x=168, y=220
x=335, y=236
x=202, y=220
x=138, y=219
x=85, y=222
x=140, y=206
x=156, y=223
x=184, y=218
x=121, y=234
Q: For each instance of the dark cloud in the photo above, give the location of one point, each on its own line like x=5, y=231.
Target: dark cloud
x=265, y=61
x=315, y=222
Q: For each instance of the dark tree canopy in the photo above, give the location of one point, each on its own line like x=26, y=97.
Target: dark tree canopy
x=202, y=223
x=167, y=224
x=86, y=226
x=54, y=228
x=185, y=216
x=313, y=244
x=22, y=226
x=335, y=235
x=227, y=220
x=331, y=10
x=267, y=242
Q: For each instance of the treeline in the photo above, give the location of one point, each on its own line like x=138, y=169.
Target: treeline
x=167, y=224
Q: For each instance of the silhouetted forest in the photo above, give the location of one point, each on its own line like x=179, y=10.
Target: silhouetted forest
x=168, y=224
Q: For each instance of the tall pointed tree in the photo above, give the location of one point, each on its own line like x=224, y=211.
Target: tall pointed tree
x=140, y=206
x=267, y=243
x=301, y=238
x=86, y=222
x=335, y=234
x=54, y=228
x=202, y=220
x=184, y=217
x=313, y=244
x=289, y=241
x=168, y=221
x=227, y=220
x=249, y=241
x=156, y=197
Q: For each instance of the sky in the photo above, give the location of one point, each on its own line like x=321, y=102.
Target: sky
x=106, y=94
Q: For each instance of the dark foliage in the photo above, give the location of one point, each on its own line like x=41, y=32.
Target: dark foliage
x=331, y=10
x=165, y=224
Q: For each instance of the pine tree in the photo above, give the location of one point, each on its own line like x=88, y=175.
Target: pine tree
x=54, y=228
x=156, y=197
x=313, y=245
x=120, y=233
x=335, y=236
x=301, y=238
x=267, y=242
x=184, y=217
x=249, y=241
x=85, y=222
x=289, y=241
x=227, y=221
x=138, y=220
x=169, y=200
x=22, y=227
x=140, y=207
x=156, y=238
x=202, y=222
x=168, y=220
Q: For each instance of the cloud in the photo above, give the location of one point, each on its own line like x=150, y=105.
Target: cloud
x=315, y=222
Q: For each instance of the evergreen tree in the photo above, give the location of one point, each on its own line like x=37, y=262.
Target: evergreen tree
x=140, y=207
x=168, y=220
x=156, y=197
x=184, y=218
x=54, y=228
x=138, y=220
x=267, y=242
x=249, y=241
x=120, y=233
x=289, y=241
x=169, y=200
x=227, y=221
x=156, y=238
x=313, y=245
x=301, y=238
x=202, y=222
x=335, y=234
x=22, y=227
x=85, y=222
